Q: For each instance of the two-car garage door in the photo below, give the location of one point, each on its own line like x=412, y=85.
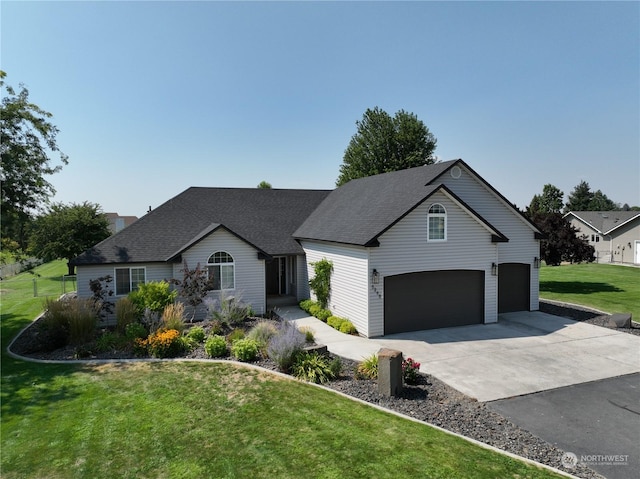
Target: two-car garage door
x=443, y=299
x=433, y=299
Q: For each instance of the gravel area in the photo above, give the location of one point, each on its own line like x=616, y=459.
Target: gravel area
x=430, y=400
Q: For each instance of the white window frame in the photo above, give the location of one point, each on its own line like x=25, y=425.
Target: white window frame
x=211, y=264
x=131, y=283
x=439, y=215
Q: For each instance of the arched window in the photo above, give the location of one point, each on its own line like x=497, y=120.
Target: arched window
x=221, y=269
x=437, y=223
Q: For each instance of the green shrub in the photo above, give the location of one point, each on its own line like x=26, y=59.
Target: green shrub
x=234, y=335
x=320, y=284
x=135, y=331
x=336, y=367
x=323, y=315
x=313, y=367
x=173, y=317
x=155, y=295
x=347, y=327
x=305, y=305
x=335, y=322
x=197, y=334
x=314, y=309
x=245, y=349
x=368, y=368
x=215, y=346
x=126, y=313
x=261, y=333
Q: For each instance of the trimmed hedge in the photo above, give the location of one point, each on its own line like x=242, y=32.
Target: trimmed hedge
x=341, y=324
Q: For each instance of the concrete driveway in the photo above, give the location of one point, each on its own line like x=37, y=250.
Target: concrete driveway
x=525, y=352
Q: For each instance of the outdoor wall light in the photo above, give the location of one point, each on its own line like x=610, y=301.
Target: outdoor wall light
x=375, y=276
x=536, y=262
x=494, y=269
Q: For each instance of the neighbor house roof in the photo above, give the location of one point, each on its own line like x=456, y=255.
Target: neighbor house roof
x=604, y=222
x=264, y=218
x=360, y=211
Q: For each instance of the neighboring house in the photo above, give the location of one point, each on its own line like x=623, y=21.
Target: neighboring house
x=118, y=223
x=428, y=247
x=615, y=235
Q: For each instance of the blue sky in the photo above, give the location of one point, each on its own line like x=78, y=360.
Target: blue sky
x=154, y=97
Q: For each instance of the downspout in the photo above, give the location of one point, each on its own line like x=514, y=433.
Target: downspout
x=610, y=249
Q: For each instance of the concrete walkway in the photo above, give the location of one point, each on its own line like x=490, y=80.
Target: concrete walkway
x=523, y=353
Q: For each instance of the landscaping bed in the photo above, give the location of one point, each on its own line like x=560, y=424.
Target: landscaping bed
x=429, y=400
x=585, y=315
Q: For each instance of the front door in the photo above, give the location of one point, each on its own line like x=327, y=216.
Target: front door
x=277, y=276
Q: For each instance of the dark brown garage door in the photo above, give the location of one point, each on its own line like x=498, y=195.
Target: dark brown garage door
x=513, y=287
x=433, y=299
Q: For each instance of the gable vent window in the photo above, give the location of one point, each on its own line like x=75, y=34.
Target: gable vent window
x=221, y=269
x=437, y=223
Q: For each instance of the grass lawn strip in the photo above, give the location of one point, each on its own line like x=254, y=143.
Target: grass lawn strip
x=604, y=287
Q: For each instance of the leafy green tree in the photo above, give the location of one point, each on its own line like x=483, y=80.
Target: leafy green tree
x=66, y=231
x=28, y=141
x=384, y=143
x=579, y=198
x=600, y=202
x=264, y=184
x=550, y=201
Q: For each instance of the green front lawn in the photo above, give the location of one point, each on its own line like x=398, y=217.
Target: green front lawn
x=192, y=420
x=609, y=288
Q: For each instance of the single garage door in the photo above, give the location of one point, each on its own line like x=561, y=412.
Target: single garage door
x=433, y=299
x=514, y=281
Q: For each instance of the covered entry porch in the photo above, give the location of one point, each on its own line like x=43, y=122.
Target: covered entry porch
x=281, y=281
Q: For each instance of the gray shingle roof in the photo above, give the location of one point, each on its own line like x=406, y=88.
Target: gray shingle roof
x=605, y=221
x=265, y=218
x=361, y=210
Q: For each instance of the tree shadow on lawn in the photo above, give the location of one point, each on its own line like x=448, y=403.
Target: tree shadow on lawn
x=578, y=287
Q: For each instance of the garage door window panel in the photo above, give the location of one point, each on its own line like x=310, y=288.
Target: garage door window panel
x=437, y=223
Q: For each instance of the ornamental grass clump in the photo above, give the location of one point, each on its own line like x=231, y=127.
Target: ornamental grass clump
x=173, y=317
x=262, y=333
x=313, y=367
x=368, y=368
x=126, y=313
x=284, y=346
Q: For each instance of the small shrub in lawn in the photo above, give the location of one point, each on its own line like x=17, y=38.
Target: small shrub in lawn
x=313, y=367
x=173, y=317
x=245, y=349
x=305, y=305
x=163, y=343
x=347, y=327
x=368, y=368
x=285, y=345
x=135, y=331
x=126, y=313
x=197, y=334
x=215, y=346
x=323, y=315
x=309, y=337
x=262, y=332
x=335, y=322
x=410, y=370
x=236, y=334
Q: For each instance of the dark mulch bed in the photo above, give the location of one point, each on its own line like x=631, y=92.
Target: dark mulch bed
x=584, y=315
x=430, y=400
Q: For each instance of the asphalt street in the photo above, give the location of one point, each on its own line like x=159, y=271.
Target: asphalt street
x=598, y=421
